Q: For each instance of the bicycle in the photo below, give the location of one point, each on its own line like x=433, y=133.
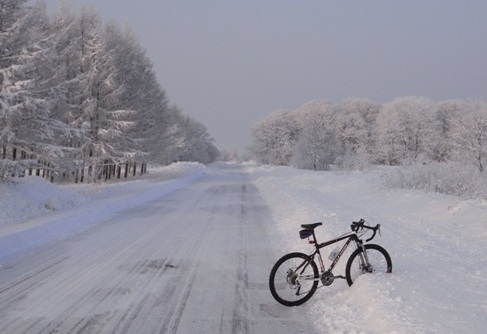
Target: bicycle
x=295, y=277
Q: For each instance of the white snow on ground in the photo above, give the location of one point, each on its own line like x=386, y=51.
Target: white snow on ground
x=32, y=209
x=438, y=244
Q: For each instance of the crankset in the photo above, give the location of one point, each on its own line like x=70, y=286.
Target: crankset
x=327, y=278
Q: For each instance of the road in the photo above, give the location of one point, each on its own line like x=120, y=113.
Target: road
x=194, y=261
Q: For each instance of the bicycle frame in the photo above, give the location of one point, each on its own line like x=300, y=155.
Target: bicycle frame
x=351, y=236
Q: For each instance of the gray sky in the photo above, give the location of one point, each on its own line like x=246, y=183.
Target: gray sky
x=227, y=63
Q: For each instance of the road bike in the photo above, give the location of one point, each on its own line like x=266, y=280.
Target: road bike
x=295, y=277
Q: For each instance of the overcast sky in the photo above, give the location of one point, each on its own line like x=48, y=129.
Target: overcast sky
x=227, y=63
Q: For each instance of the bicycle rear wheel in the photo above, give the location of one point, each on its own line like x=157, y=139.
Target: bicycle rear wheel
x=379, y=262
x=294, y=279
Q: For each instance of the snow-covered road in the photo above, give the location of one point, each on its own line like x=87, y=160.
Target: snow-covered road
x=188, y=249
x=194, y=261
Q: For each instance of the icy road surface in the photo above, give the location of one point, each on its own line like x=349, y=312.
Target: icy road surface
x=193, y=261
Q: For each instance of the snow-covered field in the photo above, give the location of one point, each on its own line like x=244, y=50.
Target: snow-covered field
x=438, y=246
x=437, y=243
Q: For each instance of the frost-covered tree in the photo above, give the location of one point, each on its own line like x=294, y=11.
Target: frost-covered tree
x=471, y=134
x=142, y=93
x=27, y=131
x=229, y=155
x=404, y=130
x=444, y=140
x=274, y=138
x=318, y=145
x=83, y=98
x=356, y=125
x=188, y=140
x=198, y=143
x=441, y=146
x=88, y=97
x=70, y=90
x=90, y=115
x=115, y=118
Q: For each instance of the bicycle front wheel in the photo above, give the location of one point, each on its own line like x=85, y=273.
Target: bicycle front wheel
x=294, y=279
x=379, y=261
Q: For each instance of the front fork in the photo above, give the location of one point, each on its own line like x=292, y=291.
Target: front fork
x=364, y=260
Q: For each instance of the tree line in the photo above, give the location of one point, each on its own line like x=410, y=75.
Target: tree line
x=358, y=132
x=79, y=99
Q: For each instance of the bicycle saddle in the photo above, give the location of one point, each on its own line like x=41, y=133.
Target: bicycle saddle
x=311, y=226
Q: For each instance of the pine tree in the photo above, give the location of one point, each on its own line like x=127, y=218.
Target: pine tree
x=26, y=133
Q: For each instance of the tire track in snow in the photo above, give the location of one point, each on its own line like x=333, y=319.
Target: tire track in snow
x=6, y=301
x=171, y=323
x=173, y=293
x=75, y=280
x=112, y=285
x=240, y=321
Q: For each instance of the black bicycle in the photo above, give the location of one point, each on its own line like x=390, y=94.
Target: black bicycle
x=295, y=276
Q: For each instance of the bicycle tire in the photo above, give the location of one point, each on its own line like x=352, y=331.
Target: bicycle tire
x=378, y=257
x=284, y=283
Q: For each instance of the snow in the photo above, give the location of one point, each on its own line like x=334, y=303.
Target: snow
x=34, y=212
x=437, y=243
